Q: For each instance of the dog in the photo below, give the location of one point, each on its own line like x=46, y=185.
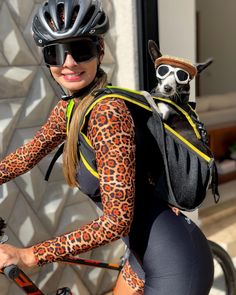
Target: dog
x=174, y=75
x=173, y=78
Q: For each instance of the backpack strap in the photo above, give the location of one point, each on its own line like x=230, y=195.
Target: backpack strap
x=158, y=129
x=58, y=153
x=138, y=98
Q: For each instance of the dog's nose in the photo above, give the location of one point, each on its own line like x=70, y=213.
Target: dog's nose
x=167, y=88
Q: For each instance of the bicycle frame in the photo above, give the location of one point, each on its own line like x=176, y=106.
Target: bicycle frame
x=96, y=263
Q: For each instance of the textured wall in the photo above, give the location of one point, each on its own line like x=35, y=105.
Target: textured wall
x=34, y=209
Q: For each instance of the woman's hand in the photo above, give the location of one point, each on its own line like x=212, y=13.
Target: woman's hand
x=23, y=257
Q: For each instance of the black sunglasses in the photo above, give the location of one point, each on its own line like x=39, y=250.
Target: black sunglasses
x=81, y=51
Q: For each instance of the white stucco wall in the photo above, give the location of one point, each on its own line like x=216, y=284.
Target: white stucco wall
x=217, y=39
x=177, y=30
x=125, y=39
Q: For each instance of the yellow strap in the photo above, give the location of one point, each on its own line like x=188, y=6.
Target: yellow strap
x=165, y=100
x=183, y=112
x=86, y=164
x=139, y=104
x=200, y=153
x=100, y=99
x=125, y=89
x=68, y=113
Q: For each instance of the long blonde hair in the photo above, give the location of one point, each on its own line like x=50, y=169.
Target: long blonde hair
x=70, y=154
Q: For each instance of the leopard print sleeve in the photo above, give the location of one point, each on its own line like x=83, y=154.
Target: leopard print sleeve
x=111, y=132
x=46, y=139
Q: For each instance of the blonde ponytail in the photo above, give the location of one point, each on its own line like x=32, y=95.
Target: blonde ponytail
x=70, y=154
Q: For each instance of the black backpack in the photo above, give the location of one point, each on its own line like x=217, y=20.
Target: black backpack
x=189, y=165
x=189, y=169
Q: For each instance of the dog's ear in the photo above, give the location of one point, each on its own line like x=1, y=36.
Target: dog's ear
x=202, y=66
x=154, y=51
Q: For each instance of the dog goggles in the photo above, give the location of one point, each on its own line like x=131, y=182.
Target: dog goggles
x=81, y=51
x=181, y=76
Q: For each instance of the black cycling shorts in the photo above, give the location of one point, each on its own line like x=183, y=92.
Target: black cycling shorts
x=174, y=255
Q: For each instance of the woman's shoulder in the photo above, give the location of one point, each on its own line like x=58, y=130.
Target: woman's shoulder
x=60, y=107
x=110, y=110
x=58, y=113
x=110, y=118
x=114, y=104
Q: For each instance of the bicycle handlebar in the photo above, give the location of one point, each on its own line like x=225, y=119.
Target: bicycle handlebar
x=14, y=273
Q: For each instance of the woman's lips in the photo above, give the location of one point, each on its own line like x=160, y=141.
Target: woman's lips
x=71, y=77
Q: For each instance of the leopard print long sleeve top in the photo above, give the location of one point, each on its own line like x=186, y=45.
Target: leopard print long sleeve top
x=46, y=140
x=111, y=132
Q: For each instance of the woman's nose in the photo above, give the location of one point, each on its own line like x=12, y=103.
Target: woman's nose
x=69, y=61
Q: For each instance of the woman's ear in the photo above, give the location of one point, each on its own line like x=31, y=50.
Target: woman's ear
x=100, y=58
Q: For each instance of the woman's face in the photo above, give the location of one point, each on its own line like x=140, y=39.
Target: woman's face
x=75, y=76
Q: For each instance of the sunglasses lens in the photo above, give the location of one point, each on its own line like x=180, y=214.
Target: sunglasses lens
x=84, y=50
x=50, y=55
x=182, y=75
x=81, y=51
x=162, y=71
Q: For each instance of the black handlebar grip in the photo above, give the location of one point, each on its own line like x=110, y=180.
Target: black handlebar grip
x=11, y=271
x=64, y=291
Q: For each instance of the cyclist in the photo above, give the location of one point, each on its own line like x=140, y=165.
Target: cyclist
x=169, y=254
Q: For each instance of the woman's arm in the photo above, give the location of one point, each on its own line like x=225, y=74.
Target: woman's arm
x=111, y=131
x=46, y=139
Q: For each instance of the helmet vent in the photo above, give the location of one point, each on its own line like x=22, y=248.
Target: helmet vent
x=88, y=16
x=60, y=13
x=50, y=21
x=74, y=15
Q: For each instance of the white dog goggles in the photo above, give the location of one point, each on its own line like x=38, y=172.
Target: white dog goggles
x=181, y=76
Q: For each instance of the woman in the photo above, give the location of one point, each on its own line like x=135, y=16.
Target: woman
x=169, y=254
